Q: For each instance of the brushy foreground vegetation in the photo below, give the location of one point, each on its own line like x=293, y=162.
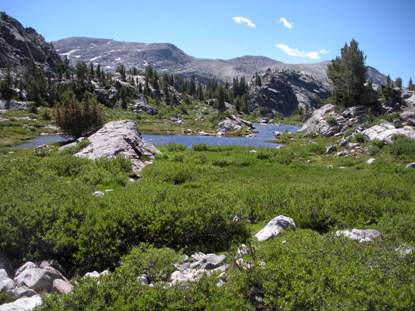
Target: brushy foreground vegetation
x=212, y=199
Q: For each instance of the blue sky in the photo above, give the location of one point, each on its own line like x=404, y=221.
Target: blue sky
x=293, y=31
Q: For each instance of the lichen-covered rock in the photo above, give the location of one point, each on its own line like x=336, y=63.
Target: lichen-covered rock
x=119, y=138
x=367, y=235
x=275, y=227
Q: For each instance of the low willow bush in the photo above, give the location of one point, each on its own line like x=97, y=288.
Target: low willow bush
x=300, y=270
x=47, y=210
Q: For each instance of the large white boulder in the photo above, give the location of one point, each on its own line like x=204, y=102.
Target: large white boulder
x=119, y=138
x=6, y=283
x=366, y=235
x=275, y=227
x=386, y=131
x=22, y=304
x=36, y=278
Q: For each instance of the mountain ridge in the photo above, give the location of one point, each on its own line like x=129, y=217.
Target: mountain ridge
x=167, y=57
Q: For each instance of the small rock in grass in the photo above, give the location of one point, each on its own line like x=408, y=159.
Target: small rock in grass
x=367, y=235
x=98, y=194
x=275, y=227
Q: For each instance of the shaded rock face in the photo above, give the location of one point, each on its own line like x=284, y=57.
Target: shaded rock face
x=275, y=227
x=386, y=131
x=285, y=92
x=119, y=138
x=20, y=45
x=367, y=235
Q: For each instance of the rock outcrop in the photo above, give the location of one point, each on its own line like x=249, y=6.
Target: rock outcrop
x=275, y=227
x=119, y=138
x=386, y=131
x=324, y=121
x=367, y=235
x=234, y=124
x=283, y=92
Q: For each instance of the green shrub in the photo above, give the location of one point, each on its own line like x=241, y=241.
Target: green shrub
x=175, y=147
x=331, y=120
x=200, y=147
x=358, y=137
x=403, y=147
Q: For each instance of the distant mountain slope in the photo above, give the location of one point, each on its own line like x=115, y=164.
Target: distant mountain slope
x=20, y=45
x=167, y=57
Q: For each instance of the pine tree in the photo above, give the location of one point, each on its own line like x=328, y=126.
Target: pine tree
x=347, y=73
x=411, y=85
x=6, y=84
x=398, y=83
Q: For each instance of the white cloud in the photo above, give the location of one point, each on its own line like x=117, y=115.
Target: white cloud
x=313, y=55
x=286, y=23
x=244, y=20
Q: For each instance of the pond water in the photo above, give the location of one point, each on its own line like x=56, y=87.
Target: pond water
x=262, y=138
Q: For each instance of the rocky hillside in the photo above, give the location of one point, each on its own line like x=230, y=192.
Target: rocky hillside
x=20, y=45
x=167, y=57
x=286, y=91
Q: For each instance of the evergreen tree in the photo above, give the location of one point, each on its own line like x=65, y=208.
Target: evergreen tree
x=347, y=73
x=6, y=84
x=411, y=85
x=121, y=71
x=77, y=118
x=398, y=83
x=35, y=84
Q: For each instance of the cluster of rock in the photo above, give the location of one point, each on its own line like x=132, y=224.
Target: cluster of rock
x=234, y=123
x=286, y=91
x=120, y=138
x=31, y=280
x=327, y=121
x=192, y=268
